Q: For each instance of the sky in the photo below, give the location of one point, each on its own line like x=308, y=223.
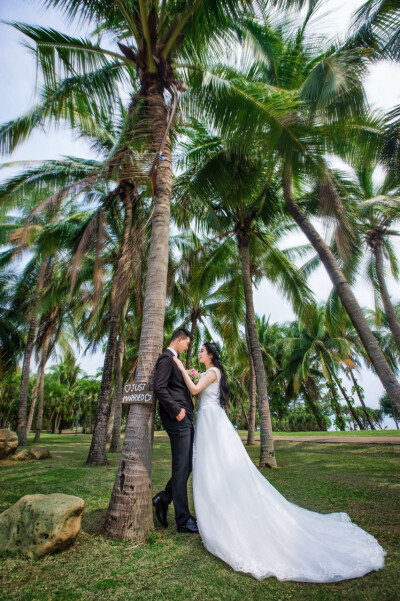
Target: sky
x=18, y=80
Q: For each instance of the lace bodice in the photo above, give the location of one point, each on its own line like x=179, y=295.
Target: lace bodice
x=210, y=395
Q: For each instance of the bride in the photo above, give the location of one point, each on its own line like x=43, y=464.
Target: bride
x=245, y=521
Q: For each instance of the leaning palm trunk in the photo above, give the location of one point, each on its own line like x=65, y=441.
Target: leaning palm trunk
x=129, y=514
x=33, y=405
x=349, y=404
x=367, y=415
x=345, y=294
x=115, y=445
x=43, y=361
x=394, y=324
x=339, y=420
x=313, y=405
x=23, y=396
x=267, y=452
x=251, y=431
x=110, y=421
x=98, y=451
x=119, y=292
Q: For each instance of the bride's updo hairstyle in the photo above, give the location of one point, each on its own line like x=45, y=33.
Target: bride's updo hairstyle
x=212, y=349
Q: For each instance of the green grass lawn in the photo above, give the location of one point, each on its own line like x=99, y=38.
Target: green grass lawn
x=362, y=480
x=356, y=433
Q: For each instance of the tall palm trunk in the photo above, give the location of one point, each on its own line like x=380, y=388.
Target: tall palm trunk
x=119, y=292
x=51, y=422
x=130, y=513
x=367, y=415
x=340, y=421
x=267, y=452
x=345, y=293
x=251, y=431
x=42, y=366
x=349, y=403
x=57, y=423
x=98, y=451
x=23, y=395
x=394, y=324
x=110, y=421
x=319, y=418
x=115, y=445
x=33, y=405
x=190, y=347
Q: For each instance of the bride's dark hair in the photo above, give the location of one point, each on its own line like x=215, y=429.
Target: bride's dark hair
x=212, y=349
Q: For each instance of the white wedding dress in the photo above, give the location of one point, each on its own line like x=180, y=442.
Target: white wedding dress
x=247, y=523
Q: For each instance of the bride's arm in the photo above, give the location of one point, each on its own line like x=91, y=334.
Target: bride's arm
x=208, y=379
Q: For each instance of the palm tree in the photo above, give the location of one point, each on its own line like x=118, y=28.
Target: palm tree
x=315, y=349
x=378, y=214
x=332, y=115
x=376, y=22
x=41, y=189
x=11, y=340
x=73, y=176
x=26, y=297
x=156, y=35
x=339, y=324
x=228, y=195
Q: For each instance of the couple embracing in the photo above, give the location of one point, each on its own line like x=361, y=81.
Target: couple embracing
x=240, y=516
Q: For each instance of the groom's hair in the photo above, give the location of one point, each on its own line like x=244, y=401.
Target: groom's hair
x=180, y=333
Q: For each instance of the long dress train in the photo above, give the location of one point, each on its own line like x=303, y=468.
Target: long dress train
x=247, y=523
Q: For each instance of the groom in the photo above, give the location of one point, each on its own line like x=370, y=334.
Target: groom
x=176, y=413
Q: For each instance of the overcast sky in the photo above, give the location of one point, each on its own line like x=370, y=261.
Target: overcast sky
x=17, y=76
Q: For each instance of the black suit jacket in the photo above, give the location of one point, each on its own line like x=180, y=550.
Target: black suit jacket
x=170, y=388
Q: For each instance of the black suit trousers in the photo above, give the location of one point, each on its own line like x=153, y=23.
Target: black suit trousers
x=181, y=435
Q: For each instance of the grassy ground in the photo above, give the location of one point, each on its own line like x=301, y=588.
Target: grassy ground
x=361, y=480
x=355, y=433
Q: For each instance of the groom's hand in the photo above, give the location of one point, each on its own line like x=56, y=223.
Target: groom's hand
x=181, y=415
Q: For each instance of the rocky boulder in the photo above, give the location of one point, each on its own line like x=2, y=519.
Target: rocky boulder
x=33, y=453
x=40, y=524
x=40, y=453
x=8, y=443
x=22, y=455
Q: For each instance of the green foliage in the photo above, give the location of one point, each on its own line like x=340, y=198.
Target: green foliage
x=70, y=397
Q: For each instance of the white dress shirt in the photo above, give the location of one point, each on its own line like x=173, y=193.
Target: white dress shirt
x=172, y=351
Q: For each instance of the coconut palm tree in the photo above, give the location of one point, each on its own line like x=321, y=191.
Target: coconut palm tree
x=377, y=22
x=11, y=336
x=315, y=349
x=378, y=214
x=339, y=324
x=41, y=189
x=25, y=300
x=110, y=183
x=331, y=117
x=227, y=194
x=154, y=40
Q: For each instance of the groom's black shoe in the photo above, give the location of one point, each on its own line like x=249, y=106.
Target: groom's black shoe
x=190, y=526
x=161, y=510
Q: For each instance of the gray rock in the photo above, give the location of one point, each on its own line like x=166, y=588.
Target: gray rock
x=8, y=442
x=40, y=524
